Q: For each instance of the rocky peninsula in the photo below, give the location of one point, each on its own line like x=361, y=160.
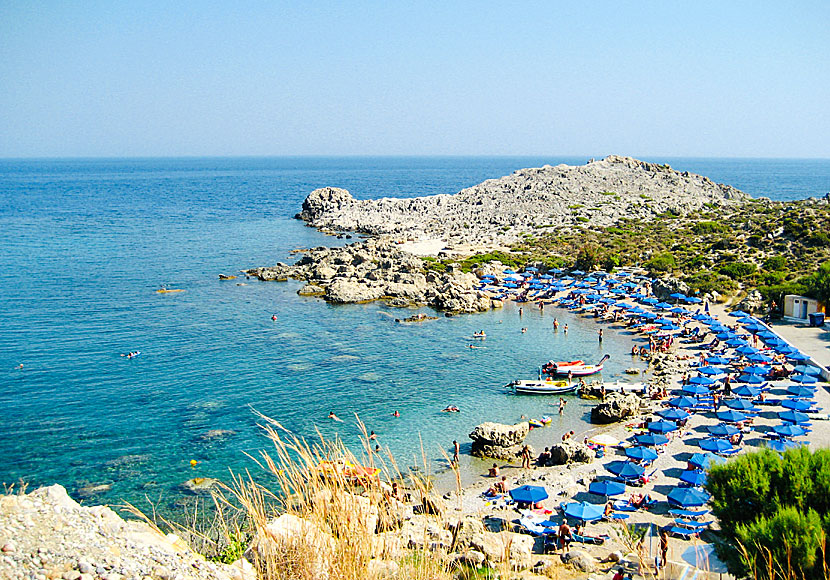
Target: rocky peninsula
x=491, y=215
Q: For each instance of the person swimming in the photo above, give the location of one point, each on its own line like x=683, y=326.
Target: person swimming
x=334, y=417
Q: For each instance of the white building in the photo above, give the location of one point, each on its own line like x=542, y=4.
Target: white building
x=798, y=308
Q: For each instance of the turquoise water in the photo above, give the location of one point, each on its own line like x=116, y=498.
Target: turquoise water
x=85, y=244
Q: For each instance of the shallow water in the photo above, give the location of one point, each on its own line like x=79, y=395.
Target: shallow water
x=87, y=242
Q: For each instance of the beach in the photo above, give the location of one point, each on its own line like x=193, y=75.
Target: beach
x=570, y=482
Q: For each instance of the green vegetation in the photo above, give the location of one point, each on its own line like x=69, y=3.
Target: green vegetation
x=818, y=284
x=663, y=262
x=774, y=512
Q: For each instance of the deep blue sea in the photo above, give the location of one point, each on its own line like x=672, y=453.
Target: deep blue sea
x=85, y=244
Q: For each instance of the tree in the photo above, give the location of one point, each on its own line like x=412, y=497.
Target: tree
x=774, y=512
x=818, y=285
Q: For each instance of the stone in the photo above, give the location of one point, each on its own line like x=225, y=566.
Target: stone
x=242, y=569
x=425, y=532
x=289, y=534
x=350, y=292
x=616, y=407
x=311, y=290
x=571, y=452
x=200, y=484
x=382, y=569
x=468, y=557
x=505, y=546
x=500, y=435
x=753, y=302
x=580, y=560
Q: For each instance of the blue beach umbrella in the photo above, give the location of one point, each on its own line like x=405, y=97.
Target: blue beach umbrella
x=693, y=300
x=711, y=371
x=651, y=439
x=687, y=497
x=739, y=313
x=799, y=391
x=641, y=453
x=662, y=426
x=807, y=370
x=625, y=469
x=723, y=430
x=662, y=305
x=753, y=328
x=727, y=335
x=736, y=342
x=746, y=391
x=678, y=296
x=607, y=487
x=673, y=414
x=648, y=315
x=746, y=350
x=702, y=317
x=803, y=379
x=529, y=494
x=716, y=445
x=796, y=405
x=717, y=360
x=694, y=478
x=750, y=379
x=781, y=445
x=682, y=402
x=789, y=430
x=695, y=390
x=649, y=300
x=798, y=356
x=796, y=417
x=701, y=381
x=731, y=416
x=756, y=370
x=584, y=511
x=759, y=358
x=741, y=405
x=577, y=272
x=704, y=460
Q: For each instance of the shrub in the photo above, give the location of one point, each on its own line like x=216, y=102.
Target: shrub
x=738, y=270
x=708, y=228
x=775, y=263
x=818, y=285
x=663, y=262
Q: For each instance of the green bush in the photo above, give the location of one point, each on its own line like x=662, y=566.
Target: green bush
x=701, y=228
x=775, y=263
x=738, y=270
x=663, y=262
x=773, y=510
x=818, y=285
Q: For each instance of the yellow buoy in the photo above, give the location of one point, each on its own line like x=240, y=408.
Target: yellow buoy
x=193, y=463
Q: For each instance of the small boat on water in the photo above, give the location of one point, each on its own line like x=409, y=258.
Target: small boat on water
x=169, y=290
x=226, y=277
x=577, y=370
x=542, y=387
x=551, y=366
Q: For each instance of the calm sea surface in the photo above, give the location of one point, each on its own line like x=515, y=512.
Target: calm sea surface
x=85, y=244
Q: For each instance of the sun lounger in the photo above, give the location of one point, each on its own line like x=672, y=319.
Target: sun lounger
x=692, y=525
x=684, y=533
x=535, y=529
x=615, y=517
x=688, y=514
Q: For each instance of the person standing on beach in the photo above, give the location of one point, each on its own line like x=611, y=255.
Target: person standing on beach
x=521, y=311
x=455, y=450
x=555, y=324
x=565, y=330
x=562, y=403
x=664, y=547
x=525, y=457
x=600, y=335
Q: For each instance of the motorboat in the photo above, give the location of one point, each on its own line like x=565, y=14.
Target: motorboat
x=551, y=366
x=580, y=370
x=547, y=386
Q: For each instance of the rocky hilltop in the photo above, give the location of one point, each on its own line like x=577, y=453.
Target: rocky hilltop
x=498, y=211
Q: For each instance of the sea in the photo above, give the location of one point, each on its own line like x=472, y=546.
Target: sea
x=85, y=244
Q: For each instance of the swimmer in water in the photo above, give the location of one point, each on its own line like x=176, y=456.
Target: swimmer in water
x=274, y=317
x=396, y=414
x=334, y=417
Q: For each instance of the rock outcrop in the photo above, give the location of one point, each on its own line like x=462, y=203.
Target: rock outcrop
x=498, y=211
x=616, y=407
x=570, y=452
x=498, y=441
x=377, y=269
x=46, y=534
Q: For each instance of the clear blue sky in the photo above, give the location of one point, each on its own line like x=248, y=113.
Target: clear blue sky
x=659, y=78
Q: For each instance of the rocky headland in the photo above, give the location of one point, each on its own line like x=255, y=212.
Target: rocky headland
x=489, y=215
x=499, y=211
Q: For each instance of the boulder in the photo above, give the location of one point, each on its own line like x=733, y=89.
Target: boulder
x=753, y=302
x=616, y=407
x=570, y=452
x=664, y=287
x=499, y=434
x=325, y=199
x=382, y=569
x=499, y=547
x=425, y=532
x=468, y=557
x=580, y=560
x=200, y=484
x=289, y=538
x=466, y=531
x=349, y=292
x=311, y=290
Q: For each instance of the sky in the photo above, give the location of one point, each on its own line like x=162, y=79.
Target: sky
x=645, y=78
